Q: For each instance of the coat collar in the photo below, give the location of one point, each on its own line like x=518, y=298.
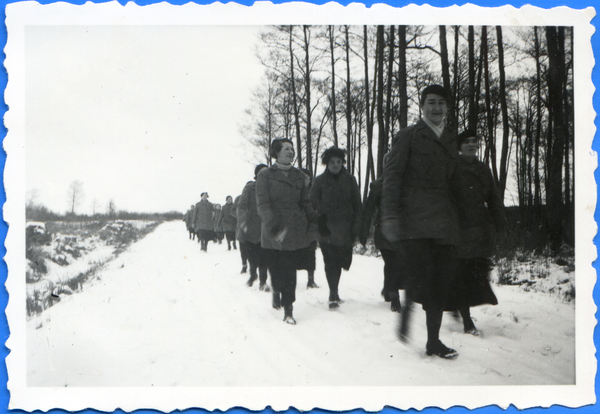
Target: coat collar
x=447, y=139
x=292, y=177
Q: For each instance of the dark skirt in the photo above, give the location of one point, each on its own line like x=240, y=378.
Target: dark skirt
x=337, y=256
x=431, y=270
x=472, y=286
x=306, y=258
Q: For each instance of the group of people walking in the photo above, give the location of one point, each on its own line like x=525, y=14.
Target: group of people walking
x=206, y=222
x=435, y=212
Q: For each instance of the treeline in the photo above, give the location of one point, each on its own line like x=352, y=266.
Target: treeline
x=356, y=86
x=37, y=212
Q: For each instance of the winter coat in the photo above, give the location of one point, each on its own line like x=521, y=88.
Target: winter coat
x=336, y=199
x=480, y=209
x=248, y=219
x=203, y=215
x=236, y=203
x=372, y=208
x=416, y=200
x=227, y=218
x=217, y=218
x=283, y=206
x=188, y=219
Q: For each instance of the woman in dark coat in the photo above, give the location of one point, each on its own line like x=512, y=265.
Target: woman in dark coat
x=336, y=199
x=249, y=234
x=418, y=209
x=238, y=236
x=203, y=221
x=481, y=215
x=217, y=227
x=394, y=266
x=285, y=212
x=228, y=222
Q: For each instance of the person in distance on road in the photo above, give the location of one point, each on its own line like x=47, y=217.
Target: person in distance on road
x=285, y=213
x=238, y=236
x=228, y=222
x=203, y=221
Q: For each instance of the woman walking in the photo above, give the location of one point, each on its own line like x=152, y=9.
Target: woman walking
x=249, y=234
x=203, y=220
x=228, y=222
x=481, y=216
x=336, y=199
x=418, y=209
x=217, y=226
x=285, y=212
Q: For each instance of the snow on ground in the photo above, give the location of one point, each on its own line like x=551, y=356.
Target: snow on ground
x=166, y=314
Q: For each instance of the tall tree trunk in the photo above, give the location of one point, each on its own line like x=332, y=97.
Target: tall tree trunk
x=450, y=121
x=537, y=200
x=455, y=88
x=556, y=63
x=367, y=111
x=490, y=150
x=390, y=75
x=305, y=30
x=333, y=106
x=348, y=99
x=402, y=86
x=504, y=108
x=295, y=101
x=380, y=116
x=472, y=109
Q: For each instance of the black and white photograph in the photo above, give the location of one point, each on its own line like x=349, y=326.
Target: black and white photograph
x=299, y=206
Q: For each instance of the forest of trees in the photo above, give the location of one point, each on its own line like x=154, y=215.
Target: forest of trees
x=356, y=86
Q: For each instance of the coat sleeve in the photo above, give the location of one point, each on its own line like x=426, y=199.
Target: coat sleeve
x=393, y=172
x=264, y=207
x=242, y=208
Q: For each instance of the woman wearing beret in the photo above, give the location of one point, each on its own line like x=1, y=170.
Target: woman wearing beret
x=336, y=199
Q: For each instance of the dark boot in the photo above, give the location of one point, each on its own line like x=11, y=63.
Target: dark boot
x=311, y=280
x=234, y=246
x=264, y=287
x=251, y=280
x=244, y=269
x=395, y=302
x=287, y=316
x=334, y=300
x=276, y=300
x=468, y=324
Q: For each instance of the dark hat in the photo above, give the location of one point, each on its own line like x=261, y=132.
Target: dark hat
x=203, y=194
x=258, y=168
x=433, y=89
x=462, y=137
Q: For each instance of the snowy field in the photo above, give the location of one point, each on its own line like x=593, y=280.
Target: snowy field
x=166, y=314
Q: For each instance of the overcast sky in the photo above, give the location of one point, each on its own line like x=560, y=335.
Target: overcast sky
x=147, y=116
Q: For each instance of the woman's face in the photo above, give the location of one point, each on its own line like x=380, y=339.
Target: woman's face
x=335, y=165
x=469, y=147
x=286, y=154
x=229, y=200
x=434, y=108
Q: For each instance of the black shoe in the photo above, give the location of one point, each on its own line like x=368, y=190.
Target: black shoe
x=263, y=287
x=441, y=350
x=311, y=284
x=276, y=300
x=333, y=304
x=244, y=269
x=250, y=281
x=287, y=316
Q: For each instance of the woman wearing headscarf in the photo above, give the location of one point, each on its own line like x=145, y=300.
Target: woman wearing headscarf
x=335, y=197
x=481, y=216
x=419, y=211
x=285, y=212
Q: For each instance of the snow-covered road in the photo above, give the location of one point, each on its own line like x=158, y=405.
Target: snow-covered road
x=166, y=314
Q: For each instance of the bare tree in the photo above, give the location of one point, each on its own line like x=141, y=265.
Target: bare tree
x=75, y=195
x=95, y=206
x=111, y=208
